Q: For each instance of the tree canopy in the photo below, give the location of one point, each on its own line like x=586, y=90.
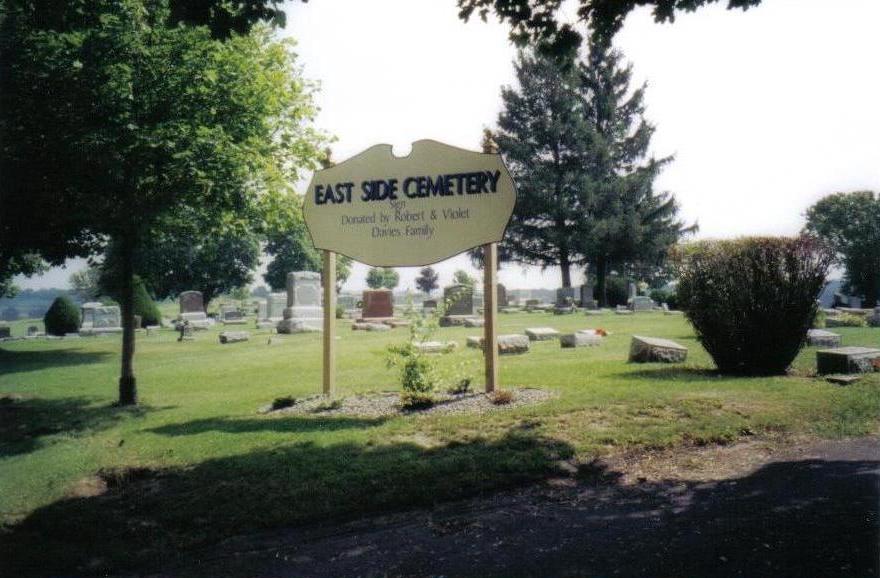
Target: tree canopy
x=382, y=277
x=119, y=119
x=538, y=22
x=426, y=282
x=576, y=142
x=850, y=223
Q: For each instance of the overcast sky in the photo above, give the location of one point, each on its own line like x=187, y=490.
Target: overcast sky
x=765, y=111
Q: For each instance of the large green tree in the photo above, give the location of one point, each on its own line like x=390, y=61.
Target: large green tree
x=625, y=220
x=538, y=22
x=546, y=143
x=850, y=223
x=114, y=117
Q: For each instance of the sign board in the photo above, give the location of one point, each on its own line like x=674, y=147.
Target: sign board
x=387, y=211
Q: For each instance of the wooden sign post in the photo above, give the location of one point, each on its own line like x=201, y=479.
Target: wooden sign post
x=490, y=310
x=329, y=323
x=410, y=211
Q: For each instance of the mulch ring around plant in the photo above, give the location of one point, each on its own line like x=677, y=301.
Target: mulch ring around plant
x=388, y=404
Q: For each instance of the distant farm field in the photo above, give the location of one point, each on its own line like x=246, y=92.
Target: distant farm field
x=87, y=486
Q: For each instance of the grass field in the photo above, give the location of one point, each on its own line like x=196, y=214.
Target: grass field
x=86, y=486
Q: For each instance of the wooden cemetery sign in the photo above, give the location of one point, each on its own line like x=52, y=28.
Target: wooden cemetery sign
x=416, y=210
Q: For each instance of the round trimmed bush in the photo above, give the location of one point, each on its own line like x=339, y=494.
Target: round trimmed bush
x=62, y=317
x=752, y=300
x=144, y=306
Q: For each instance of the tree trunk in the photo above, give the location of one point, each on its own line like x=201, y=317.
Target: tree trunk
x=565, y=267
x=601, y=285
x=127, y=383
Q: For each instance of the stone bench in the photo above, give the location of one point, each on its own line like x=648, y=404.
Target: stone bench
x=847, y=360
x=655, y=349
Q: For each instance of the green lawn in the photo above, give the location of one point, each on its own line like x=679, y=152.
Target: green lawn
x=196, y=462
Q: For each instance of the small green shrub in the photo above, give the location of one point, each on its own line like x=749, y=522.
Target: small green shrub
x=461, y=387
x=144, y=306
x=62, y=317
x=282, y=402
x=502, y=397
x=328, y=405
x=846, y=320
x=340, y=312
x=615, y=289
x=752, y=300
x=668, y=297
x=819, y=320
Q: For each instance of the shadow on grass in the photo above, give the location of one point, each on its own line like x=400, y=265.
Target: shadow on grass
x=149, y=515
x=287, y=424
x=798, y=518
x=673, y=373
x=24, y=361
x=25, y=422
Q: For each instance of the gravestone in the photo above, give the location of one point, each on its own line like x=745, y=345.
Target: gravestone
x=478, y=301
x=192, y=309
x=275, y=305
x=230, y=315
x=641, y=303
x=234, y=336
x=378, y=304
x=822, y=338
x=262, y=310
x=847, y=360
x=587, y=299
x=541, y=333
x=874, y=321
x=580, y=339
x=98, y=318
x=631, y=290
x=303, y=312
x=654, y=349
x=429, y=305
x=474, y=322
x=565, y=296
x=511, y=344
x=502, y=296
x=361, y=326
x=186, y=331
x=435, y=346
x=460, y=299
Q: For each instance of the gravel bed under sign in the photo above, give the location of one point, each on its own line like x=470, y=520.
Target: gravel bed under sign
x=388, y=404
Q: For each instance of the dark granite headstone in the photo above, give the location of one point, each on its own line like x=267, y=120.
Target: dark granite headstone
x=191, y=302
x=502, y=296
x=378, y=303
x=460, y=299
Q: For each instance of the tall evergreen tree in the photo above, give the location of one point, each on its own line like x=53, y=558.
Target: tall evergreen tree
x=545, y=142
x=627, y=220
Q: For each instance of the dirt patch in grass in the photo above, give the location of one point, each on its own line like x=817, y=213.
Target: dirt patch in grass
x=388, y=404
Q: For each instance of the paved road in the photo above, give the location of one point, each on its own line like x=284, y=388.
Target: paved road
x=808, y=511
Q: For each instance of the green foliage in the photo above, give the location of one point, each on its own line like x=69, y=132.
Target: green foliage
x=536, y=22
x=86, y=283
x=146, y=125
x=616, y=291
x=848, y=222
x=340, y=312
x=283, y=402
x=668, y=297
x=62, y=317
x=461, y=277
x=577, y=145
x=427, y=280
x=144, y=306
x=752, y=300
x=382, y=277
x=848, y=320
